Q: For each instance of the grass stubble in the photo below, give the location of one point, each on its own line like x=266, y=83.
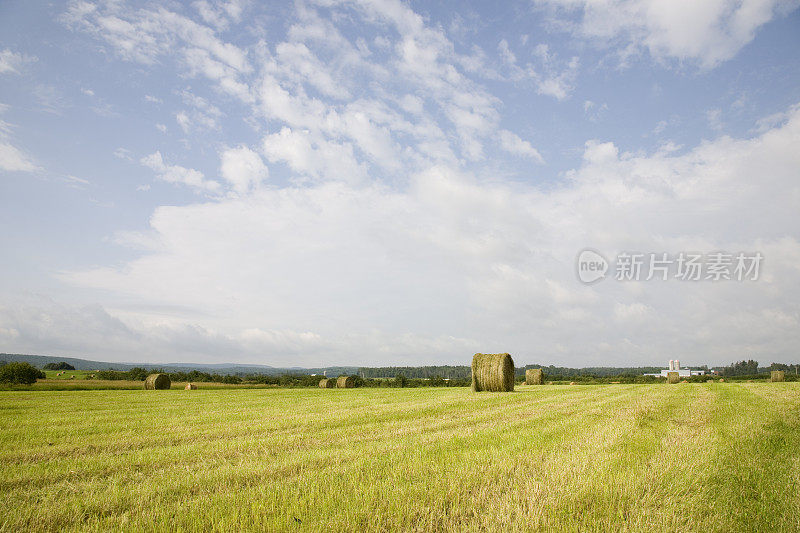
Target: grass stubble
x=688, y=457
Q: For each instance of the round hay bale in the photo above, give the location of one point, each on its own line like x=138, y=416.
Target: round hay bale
x=327, y=383
x=346, y=382
x=673, y=377
x=493, y=372
x=777, y=376
x=190, y=386
x=533, y=376
x=157, y=381
x=572, y=383
x=721, y=380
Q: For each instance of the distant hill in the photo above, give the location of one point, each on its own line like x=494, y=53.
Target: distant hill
x=452, y=372
x=217, y=368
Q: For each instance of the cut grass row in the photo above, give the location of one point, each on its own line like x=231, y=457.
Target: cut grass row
x=715, y=457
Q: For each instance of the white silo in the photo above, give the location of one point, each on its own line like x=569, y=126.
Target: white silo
x=677, y=365
x=671, y=365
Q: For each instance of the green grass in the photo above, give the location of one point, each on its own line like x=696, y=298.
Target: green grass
x=67, y=374
x=76, y=384
x=690, y=457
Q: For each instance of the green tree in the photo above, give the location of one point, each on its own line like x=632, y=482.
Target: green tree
x=20, y=373
x=138, y=374
x=58, y=366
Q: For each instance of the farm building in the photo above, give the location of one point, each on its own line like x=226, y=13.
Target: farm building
x=675, y=366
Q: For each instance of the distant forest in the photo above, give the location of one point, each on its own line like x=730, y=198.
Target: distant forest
x=456, y=372
x=206, y=372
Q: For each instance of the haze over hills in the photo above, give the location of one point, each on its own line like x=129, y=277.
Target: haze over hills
x=219, y=368
x=447, y=371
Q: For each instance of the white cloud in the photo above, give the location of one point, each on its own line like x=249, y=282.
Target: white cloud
x=468, y=264
x=706, y=32
x=243, y=169
x=12, y=63
x=178, y=174
x=14, y=160
x=512, y=144
x=307, y=81
x=183, y=121
x=75, y=181
x=315, y=158
x=123, y=153
x=202, y=115
x=145, y=35
x=714, y=117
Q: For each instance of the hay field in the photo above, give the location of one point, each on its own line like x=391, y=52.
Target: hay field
x=688, y=457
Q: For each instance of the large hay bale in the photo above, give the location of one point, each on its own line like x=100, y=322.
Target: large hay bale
x=190, y=386
x=777, y=375
x=492, y=372
x=157, y=381
x=346, y=382
x=533, y=376
x=327, y=383
x=673, y=377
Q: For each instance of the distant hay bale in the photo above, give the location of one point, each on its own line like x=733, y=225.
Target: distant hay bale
x=533, y=376
x=157, y=381
x=572, y=383
x=673, y=377
x=777, y=375
x=345, y=382
x=327, y=383
x=721, y=380
x=190, y=386
x=493, y=372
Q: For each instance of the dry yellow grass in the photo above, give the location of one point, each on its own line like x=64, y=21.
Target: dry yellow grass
x=701, y=457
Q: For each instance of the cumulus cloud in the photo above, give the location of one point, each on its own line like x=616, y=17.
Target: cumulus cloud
x=384, y=239
x=315, y=158
x=148, y=34
x=305, y=84
x=452, y=264
x=511, y=143
x=243, y=169
x=706, y=32
x=178, y=174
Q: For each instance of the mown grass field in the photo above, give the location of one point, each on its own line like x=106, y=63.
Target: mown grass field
x=60, y=384
x=688, y=457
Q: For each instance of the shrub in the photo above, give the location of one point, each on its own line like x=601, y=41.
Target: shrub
x=20, y=373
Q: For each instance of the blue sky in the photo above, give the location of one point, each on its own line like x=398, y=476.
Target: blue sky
x=382, y=182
